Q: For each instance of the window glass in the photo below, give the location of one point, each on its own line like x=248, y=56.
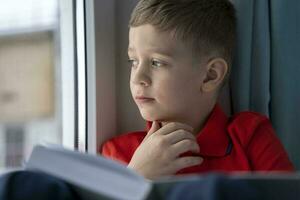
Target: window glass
x=30, y=78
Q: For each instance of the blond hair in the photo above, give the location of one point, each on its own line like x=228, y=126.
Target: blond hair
x=207, y=25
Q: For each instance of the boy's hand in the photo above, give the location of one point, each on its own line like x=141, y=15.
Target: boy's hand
x=158, y=154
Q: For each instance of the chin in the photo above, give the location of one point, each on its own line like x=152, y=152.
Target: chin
x=148, y=117
x=151, y=117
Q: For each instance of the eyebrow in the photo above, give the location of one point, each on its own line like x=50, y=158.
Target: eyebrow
x=156, y=50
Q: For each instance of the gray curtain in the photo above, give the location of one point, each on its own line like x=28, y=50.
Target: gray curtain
x=266, y=72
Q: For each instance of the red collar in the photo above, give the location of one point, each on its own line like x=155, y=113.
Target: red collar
x=213, y=138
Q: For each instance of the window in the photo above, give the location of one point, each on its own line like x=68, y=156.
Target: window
x=37, y=77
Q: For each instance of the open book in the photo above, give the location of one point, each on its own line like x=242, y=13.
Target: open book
x=95, y=177
x=92, y=176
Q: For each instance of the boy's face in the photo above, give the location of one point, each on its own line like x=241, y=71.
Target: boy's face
x=165, y=80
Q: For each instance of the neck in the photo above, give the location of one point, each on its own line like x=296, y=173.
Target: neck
x=197, y=122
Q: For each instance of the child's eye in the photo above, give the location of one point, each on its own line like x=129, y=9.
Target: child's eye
x=156, y=63
x=133, y=63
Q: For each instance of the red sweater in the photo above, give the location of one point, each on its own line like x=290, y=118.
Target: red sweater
x=244, y=142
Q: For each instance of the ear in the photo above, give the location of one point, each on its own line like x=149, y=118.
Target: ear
x=216, y=70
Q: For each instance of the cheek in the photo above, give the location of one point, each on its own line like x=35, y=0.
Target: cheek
x=178, y=93
x=132, y=90
x=172, y=92
x=131, y=85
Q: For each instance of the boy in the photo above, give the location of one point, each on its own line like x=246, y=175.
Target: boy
x=180, y=52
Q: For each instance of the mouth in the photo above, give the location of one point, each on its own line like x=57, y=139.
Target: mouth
x=143, y=99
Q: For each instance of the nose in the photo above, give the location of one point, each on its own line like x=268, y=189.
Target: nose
x=140, y=75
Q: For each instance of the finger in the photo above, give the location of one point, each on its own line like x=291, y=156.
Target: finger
x=184, y=146
x=187, y=161
x=173, y=126
x=154, y=127
x=179, y=135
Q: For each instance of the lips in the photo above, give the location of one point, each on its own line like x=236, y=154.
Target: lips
x=143, y=99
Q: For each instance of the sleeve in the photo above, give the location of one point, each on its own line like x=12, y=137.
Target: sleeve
x=112, y=150
x=107, y=149
x=265, y=151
